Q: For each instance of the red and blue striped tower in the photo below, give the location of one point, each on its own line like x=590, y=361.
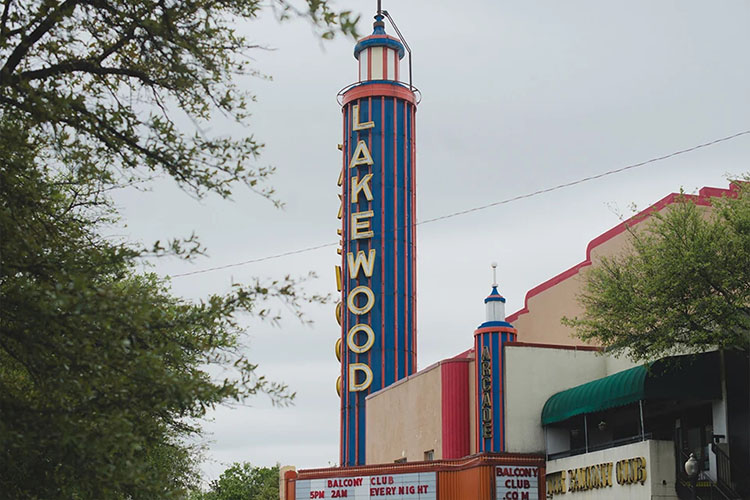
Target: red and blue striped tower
x=378, y=246
x=489, y=339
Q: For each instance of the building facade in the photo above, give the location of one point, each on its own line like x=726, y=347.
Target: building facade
x=528, y=411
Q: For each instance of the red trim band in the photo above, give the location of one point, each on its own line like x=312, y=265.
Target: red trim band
x=378, y=90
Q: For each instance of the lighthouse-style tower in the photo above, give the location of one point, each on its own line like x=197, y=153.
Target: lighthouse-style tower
x=488, y=351
x=377, y=275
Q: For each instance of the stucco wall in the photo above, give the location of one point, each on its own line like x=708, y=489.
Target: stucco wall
x=544, y=305
x=550, y=302
x=660, y=472
x=404, y=420
x=530, y=382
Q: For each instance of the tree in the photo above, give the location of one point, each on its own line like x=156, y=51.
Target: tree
x=242, y=481
x=98, y=83
x=684, y=285
x=103, y=372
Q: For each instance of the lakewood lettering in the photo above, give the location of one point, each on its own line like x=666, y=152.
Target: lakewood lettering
x=361, y=299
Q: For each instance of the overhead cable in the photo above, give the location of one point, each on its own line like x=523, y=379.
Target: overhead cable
x=482, y=207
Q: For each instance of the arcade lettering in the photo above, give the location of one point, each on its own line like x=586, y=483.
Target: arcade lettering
x=592, y=477
x=486, y=381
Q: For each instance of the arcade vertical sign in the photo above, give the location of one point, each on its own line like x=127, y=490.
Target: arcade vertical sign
x=377, y=275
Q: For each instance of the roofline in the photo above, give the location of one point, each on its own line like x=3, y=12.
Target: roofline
x=565, y=347
x=702, y=198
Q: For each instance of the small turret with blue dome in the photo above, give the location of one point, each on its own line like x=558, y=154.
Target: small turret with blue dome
x=495, y=305
x=489, y=340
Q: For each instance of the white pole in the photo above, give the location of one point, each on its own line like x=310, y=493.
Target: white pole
x=643, y=429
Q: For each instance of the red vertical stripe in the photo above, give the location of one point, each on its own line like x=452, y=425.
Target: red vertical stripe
x=477, y=390
x=382, y=255
x=346, y=395
x=454, y=375
x=499, y=374
x=413, y=149
x=403, y=232
x=344, y=151
x=369, y=240
x=492, y=392
x=399, y=345
x=395, y=65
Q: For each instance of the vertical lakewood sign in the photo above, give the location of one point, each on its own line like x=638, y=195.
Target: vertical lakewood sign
x=377, y=274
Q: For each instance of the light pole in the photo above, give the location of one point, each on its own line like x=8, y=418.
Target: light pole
x=691, y=469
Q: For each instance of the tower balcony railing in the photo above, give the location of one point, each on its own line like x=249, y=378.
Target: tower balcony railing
x=601, y=446
x=415, y=90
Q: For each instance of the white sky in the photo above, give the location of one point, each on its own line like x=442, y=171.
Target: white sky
x=517, y=96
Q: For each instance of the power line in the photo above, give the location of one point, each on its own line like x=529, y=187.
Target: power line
x=585, y=179
x=261, y=259
x=484, y=207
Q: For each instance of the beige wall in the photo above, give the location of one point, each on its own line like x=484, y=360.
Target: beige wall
x=404, y=420
x=541, y=324
x=532, y=375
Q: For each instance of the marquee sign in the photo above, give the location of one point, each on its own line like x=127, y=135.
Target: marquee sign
x=414, y=486
x=598, y=476
x=516, y=483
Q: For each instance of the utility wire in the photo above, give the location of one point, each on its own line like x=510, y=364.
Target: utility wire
x=260, y=259
x=483, y=207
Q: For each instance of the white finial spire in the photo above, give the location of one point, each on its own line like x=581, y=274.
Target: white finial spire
x=494, y=303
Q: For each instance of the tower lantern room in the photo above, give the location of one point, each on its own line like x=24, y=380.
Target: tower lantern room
x=494, y=304
x=379, y=55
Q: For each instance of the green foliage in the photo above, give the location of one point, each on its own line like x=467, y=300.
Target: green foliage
x=103, y=372
x=684, y=285
x=242, y=481
x=100, y=83
x=101, y=369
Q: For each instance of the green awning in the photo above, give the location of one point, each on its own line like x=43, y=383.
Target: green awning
x=691, y=377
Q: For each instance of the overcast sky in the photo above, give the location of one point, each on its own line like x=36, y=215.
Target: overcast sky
x=517, y=97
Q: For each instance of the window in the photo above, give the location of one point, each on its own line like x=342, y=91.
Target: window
x=401, y=460
x=429, y=455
